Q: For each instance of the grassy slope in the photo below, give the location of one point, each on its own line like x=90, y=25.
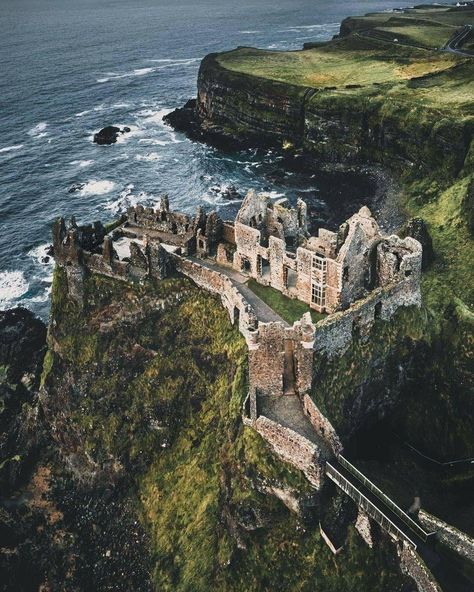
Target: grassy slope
x=157, y=393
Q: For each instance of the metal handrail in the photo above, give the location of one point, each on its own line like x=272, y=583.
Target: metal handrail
x=352, y=488
x=384, y=498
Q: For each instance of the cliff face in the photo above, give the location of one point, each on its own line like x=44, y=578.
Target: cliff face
x=247, y=109
x=399, y=370
x=338, y=125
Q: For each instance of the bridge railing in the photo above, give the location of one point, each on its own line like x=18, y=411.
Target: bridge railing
x=363, y=502
x=384, y=498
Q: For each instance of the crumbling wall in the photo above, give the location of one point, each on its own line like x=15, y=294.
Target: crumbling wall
x=293, y=448
x=239, y=309
x=322, y=425
x=161, y=219
x=412, y=565
x=267, y=360
x=364, y=528
x=335, y=333
x=457, y=540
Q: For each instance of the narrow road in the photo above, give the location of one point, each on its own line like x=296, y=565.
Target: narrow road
x=264, y=313
x=454, y=43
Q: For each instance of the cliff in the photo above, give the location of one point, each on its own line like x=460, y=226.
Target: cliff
x=396, y=122
x=156, y=484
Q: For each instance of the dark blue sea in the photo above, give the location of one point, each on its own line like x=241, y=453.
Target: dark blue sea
x=71, y=67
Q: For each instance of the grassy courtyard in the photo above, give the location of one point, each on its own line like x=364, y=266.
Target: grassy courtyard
x=290, y=310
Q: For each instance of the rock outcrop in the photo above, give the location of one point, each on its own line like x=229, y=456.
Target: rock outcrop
x=109, y=134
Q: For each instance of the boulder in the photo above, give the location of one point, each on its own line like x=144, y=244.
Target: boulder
x=75, y=187
x=231, y=192
x=183, y=119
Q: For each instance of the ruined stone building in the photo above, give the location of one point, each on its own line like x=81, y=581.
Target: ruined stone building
x=268, y=242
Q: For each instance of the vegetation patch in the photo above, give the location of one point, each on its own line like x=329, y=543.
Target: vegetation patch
x=289, y=309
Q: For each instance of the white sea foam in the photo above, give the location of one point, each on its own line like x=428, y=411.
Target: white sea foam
x=39, y=131
x=12, y=287
x=275, y=194
x=117, y=76
x=41, y=256
x=11, y=148
x=82, y=163
x=94, y=187
x=168, y=63
x=151, y=156
x=249, y=32
x=128, y=199
x=82, y=113
x=144, y=71
x=42, y=297
x=134, y=131
x=309, y=27
x=154, y=116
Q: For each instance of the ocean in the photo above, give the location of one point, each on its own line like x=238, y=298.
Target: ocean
x=71, y=67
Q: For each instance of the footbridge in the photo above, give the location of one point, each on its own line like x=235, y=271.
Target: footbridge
x=375, y=502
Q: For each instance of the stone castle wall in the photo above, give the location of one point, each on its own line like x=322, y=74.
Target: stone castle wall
x=322, y=425
x=335, y=333
x=412, y=565
x=453, y=538
x=238, y=308
x=292, y=448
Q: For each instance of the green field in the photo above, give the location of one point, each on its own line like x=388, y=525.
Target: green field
x=392, y=49
x=360, y=62
x=290, y=310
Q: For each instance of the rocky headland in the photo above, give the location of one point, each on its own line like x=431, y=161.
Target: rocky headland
x=125, y=464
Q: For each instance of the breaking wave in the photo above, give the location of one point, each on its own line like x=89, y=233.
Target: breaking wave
x=149, y=157
x=128, y=199
x=82, y=163
x=11, y=148
x=38, y=131
x=97, y=187
x=12, y=287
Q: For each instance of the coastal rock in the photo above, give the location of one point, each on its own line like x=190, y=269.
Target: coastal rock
x=75, y=187
x=231, y=192
x=22, y=342
x=109, y=134
x=184, y=119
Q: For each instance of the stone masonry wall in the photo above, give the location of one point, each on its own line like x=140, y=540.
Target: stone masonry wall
x=267, y=360
x=292, y=448
x=363, y=527
x=412, y=565
x=453, y=538
x=335, y=334
x=232, y=299
x=322, y=425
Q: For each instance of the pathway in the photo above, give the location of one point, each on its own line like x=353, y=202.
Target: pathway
x=264, y=313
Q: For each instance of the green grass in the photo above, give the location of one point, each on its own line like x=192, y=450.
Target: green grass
x=433, y=36
x=358, y=62
x=290, y=310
